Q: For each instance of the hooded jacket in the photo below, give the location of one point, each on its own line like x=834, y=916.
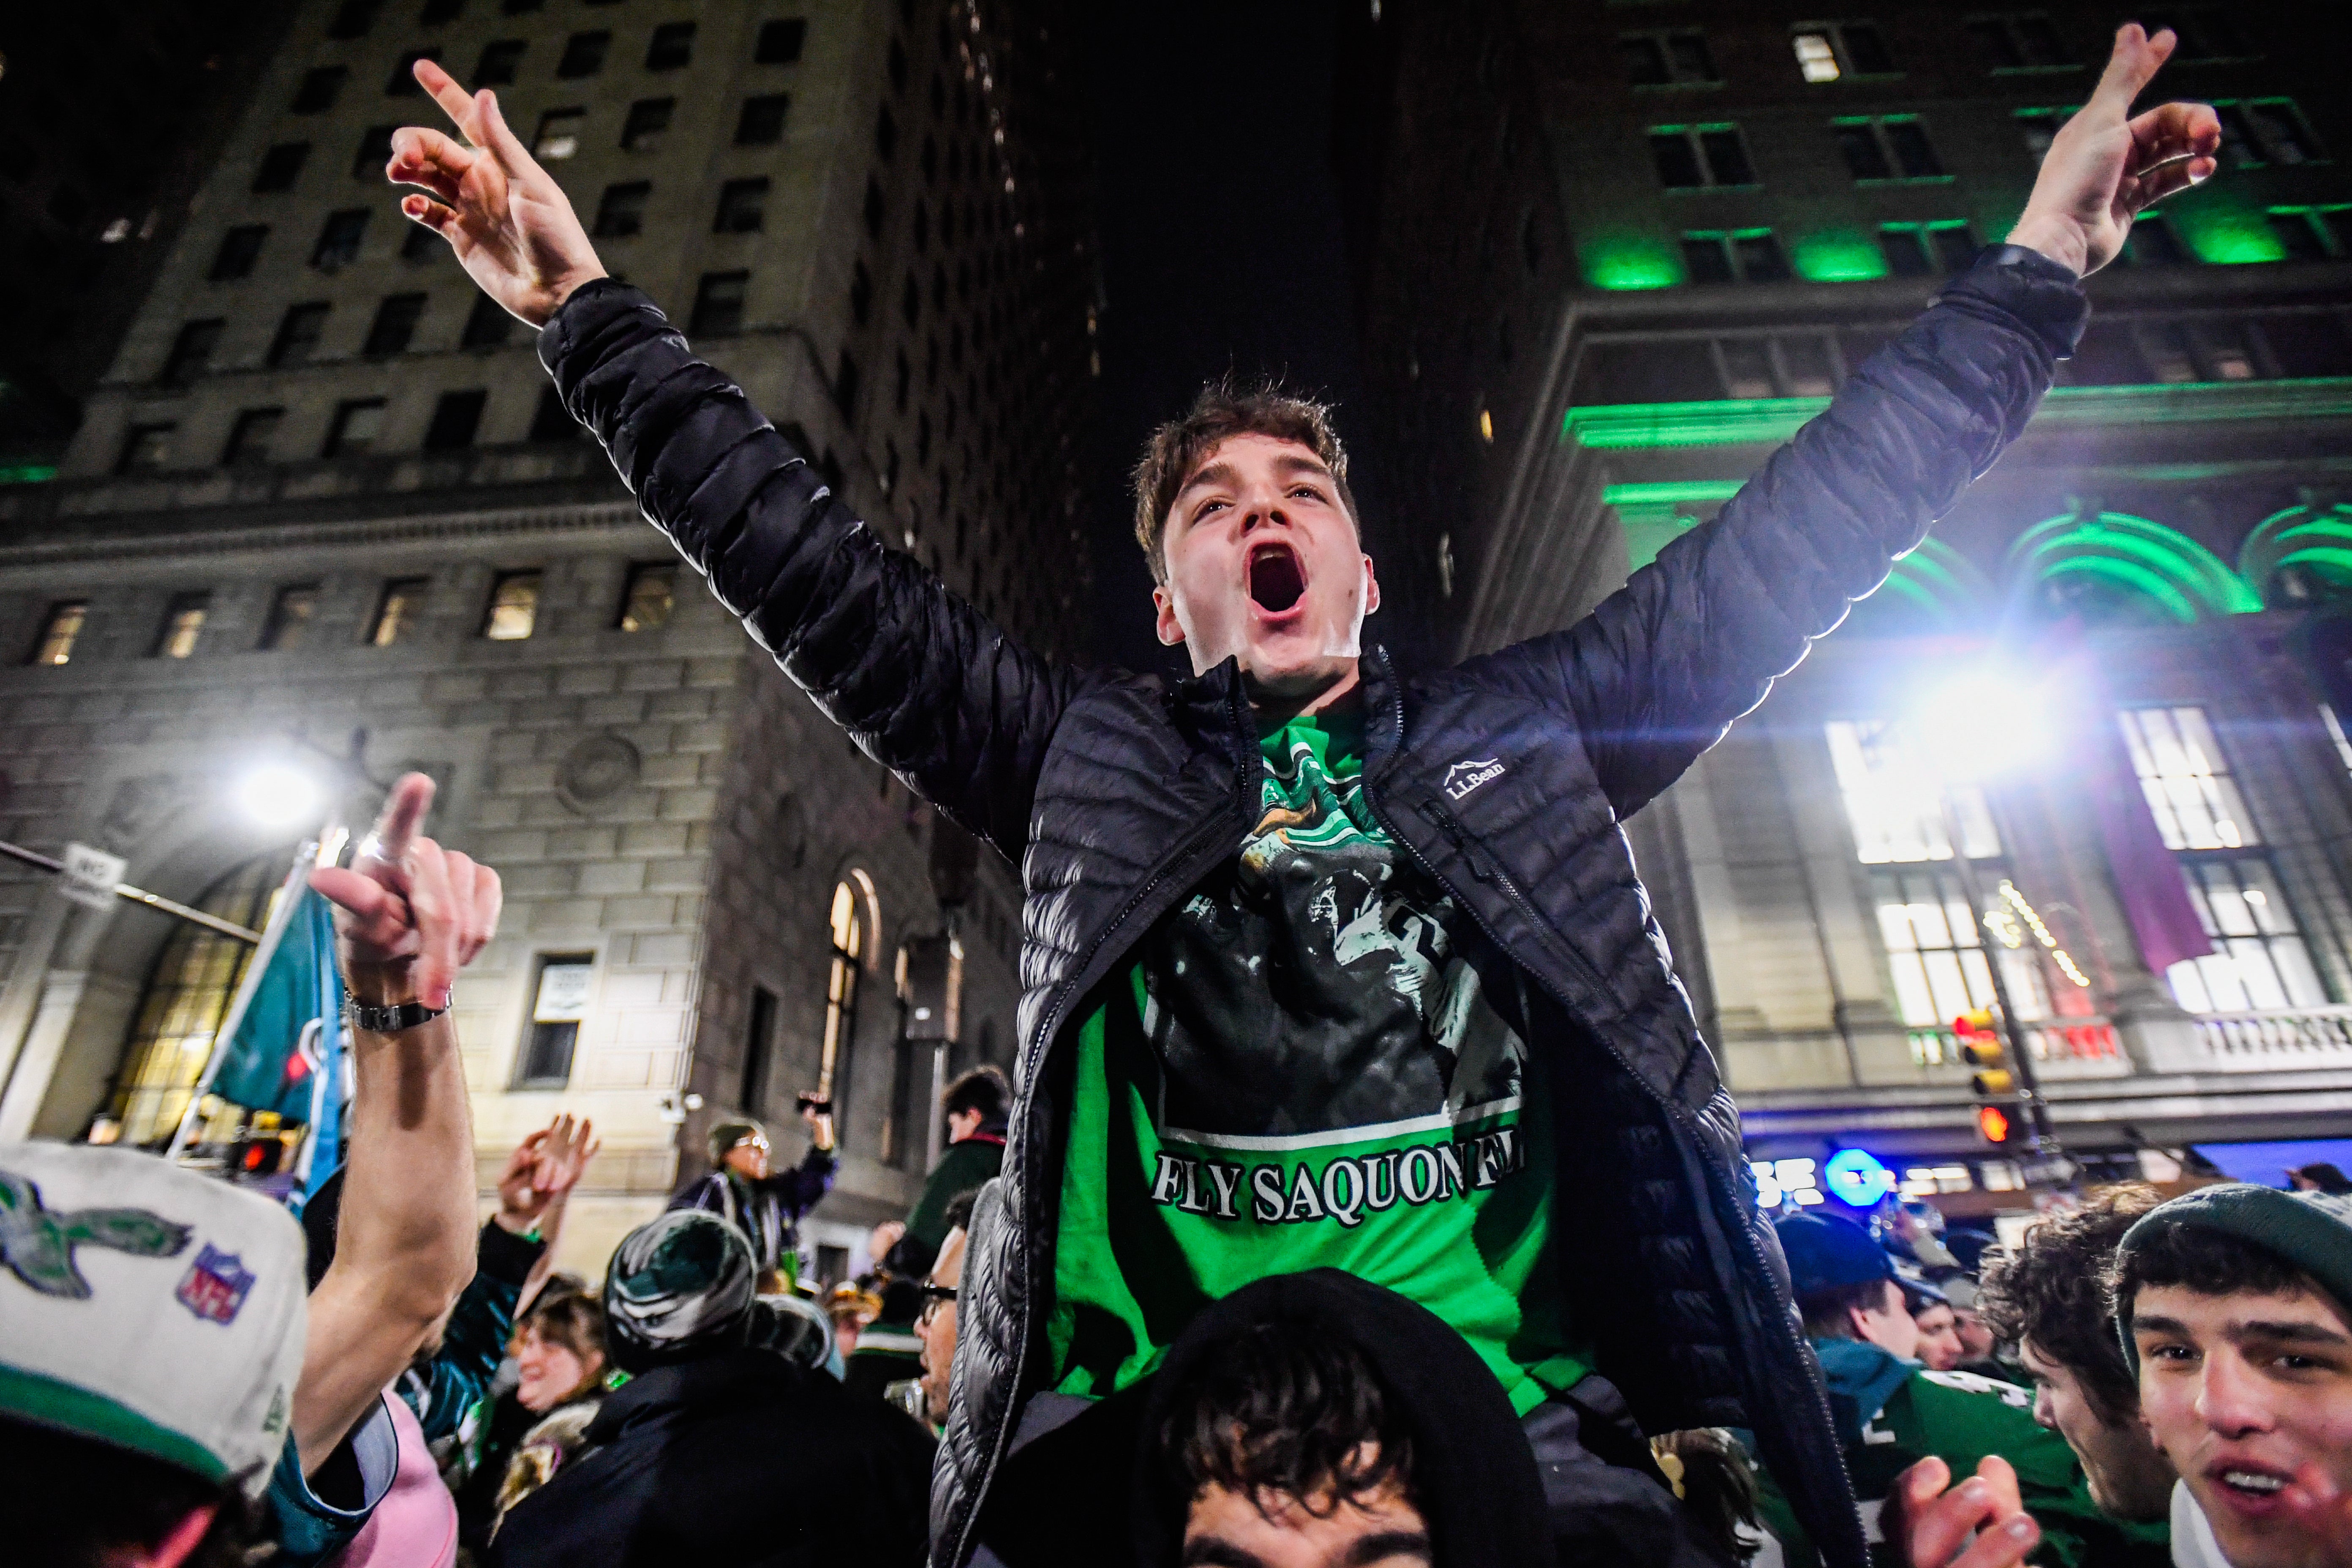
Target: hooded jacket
x=1117, y=793
x=1474, y=1476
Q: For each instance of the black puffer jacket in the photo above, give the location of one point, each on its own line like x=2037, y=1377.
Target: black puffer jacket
x=1116, y=793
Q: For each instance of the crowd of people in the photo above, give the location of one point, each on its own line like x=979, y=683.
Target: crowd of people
x=1340, y=981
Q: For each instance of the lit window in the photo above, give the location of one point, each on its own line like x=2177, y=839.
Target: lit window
x=2185, y=780
x=558, y=136
x=2334, y=733
x=849, y=935
x=514, y=606
x=290, y=614
x=397, y=611
x=558, y=1004
x=1780, y=1182
x=2259, y=962
x=184, y=623
x=1828, y=52
x=646, y=605
x=58, y=631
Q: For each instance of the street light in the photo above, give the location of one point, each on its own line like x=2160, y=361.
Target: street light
x=278, y=794
x=1969, y=729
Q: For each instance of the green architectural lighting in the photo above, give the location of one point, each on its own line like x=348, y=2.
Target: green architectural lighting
x=2315, y=542
x=1670, y=493
x=1838, y=255
x=1630, y=261
x=27, y=473
x=1932, y=587
x=2224, y=233
x=2160, y=565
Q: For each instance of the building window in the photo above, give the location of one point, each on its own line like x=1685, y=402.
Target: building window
x=849, y=937
x=352, y=18
x=320, y=86
x=499, y=63
x=1673, y=57
x=184, y=623
x=437, y=12
x=845, y=385
x=759, y=1050
x=2259, y=130
x=583, y=55
x=403, y=83
x=299, y=332
x=489, y=324
x=290, y=614
x=1795, y=364
x=357, y=426
x=456, y=417
x=558, y=136
x=514, y=606
x=58, y=629
x=762, y=123
x=875, y=209
x=1831, y=51
x=558, y=1004
x=1923, y=249
x=551, y=421
x=1895, y=148
x=742, y=206
x=240, y=247
x=648, y=118
x=188, y=992
x=397, y=611
x=622, y=213
x=338, y=239
x=718, y=304
x=2207, y=33
x=861, y=293
x=672, y=47
x=192, y=350
x=418, y=243
x=1746, y=255
x=2022, y=41
x=146, y=448
x=2153, y=243
x=1934, y=943
x=646, y=602
x=374, y=153
x=2188, y=784
x=2311, y=234
x=395, y=324
x=780, y=42
x=1691, y=156
x=2039, y=127
x=886, y=134
x=250, y=437
x=280, y=167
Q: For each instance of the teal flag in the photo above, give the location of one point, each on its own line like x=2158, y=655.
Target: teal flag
x=280, y=1042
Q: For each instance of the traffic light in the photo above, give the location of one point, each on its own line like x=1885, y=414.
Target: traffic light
x=1993, y=1122
x=1995, y=1082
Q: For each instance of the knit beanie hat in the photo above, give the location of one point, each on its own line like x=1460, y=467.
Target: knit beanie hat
x=2312, y=1231
x=679, y=1288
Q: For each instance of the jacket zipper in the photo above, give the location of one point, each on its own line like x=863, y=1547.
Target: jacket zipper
x=1488, y=866
x=1044, y=1042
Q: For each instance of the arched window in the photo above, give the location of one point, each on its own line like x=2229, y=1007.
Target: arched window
x=188, y=992
x=2300, y=556
x=2118, y=567
x=850, y=921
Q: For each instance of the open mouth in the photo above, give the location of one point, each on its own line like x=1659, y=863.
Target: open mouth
x=1277, y=578
x=2247, y=1485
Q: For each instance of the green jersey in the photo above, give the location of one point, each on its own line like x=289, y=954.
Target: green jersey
x=1302, y=1069
x=1892, y=1412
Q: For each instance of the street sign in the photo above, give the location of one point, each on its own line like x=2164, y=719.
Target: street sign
x=91, y=876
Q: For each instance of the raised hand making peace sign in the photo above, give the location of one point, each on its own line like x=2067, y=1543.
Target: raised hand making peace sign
x=2108, y=166
x=511, y=226
x=408, y=913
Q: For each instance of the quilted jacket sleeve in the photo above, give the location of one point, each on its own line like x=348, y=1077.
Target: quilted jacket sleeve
x=1660, y=669
x=922, y=682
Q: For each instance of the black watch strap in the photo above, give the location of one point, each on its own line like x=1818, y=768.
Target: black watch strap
x=388, y=1020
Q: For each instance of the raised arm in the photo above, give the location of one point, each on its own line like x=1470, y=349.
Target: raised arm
x=919, y=678
x=1658, y=671
x=408, y=916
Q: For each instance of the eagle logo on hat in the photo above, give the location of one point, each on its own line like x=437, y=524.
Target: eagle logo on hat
x=37, y=1243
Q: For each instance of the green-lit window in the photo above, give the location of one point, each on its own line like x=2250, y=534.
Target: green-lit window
x=1744, y=255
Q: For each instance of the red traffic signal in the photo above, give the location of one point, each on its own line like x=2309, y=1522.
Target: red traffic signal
x=1994, y=1123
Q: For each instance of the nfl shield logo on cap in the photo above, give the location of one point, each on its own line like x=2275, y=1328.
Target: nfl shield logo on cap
x=148, y=1307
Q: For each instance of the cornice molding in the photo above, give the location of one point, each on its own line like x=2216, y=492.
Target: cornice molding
x=507, y=522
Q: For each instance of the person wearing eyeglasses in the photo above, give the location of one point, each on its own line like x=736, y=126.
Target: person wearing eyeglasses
x=935, y=1325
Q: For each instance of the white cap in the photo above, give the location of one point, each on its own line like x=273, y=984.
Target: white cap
x=148, y=1307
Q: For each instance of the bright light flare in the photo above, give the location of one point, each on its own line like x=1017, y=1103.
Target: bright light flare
x=1978, y=726
x=275, y=795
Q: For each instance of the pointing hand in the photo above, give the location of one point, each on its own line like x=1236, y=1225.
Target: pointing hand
x=408, y=913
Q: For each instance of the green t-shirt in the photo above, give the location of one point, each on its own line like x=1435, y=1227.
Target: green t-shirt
x=1302, y=1069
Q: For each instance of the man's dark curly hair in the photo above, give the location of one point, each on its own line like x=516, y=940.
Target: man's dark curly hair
x=2051, y=1291
x=1224, y=409
x=2210, y=1263
x=1283, y=1408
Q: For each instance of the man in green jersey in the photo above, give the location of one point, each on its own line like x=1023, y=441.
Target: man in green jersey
x=1890, y=1412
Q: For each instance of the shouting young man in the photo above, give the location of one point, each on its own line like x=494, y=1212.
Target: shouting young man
x=1326, y=964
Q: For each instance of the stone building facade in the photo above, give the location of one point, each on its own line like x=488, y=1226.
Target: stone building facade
x=322, y=490
x=1666, y=234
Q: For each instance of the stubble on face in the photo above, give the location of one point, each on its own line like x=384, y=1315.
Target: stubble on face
x=2128, y=1474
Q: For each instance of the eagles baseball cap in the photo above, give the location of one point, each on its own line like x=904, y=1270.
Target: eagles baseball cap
x=1825, y=1251
x=148, y=1307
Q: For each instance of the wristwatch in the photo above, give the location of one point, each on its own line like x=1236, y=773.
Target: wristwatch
x=387, y=1020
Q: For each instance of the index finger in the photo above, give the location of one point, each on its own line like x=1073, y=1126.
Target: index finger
x=455, y=100
x=404, y=813
x=2132, y=65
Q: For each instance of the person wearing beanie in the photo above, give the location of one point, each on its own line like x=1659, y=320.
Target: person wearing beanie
x=718, y=1449
x=1892, y=1411
x=766, y=1204
x=2233, y=1305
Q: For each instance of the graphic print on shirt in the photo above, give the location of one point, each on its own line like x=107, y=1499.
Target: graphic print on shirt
x=1310, y=993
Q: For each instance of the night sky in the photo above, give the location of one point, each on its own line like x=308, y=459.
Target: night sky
x=1222, y=245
